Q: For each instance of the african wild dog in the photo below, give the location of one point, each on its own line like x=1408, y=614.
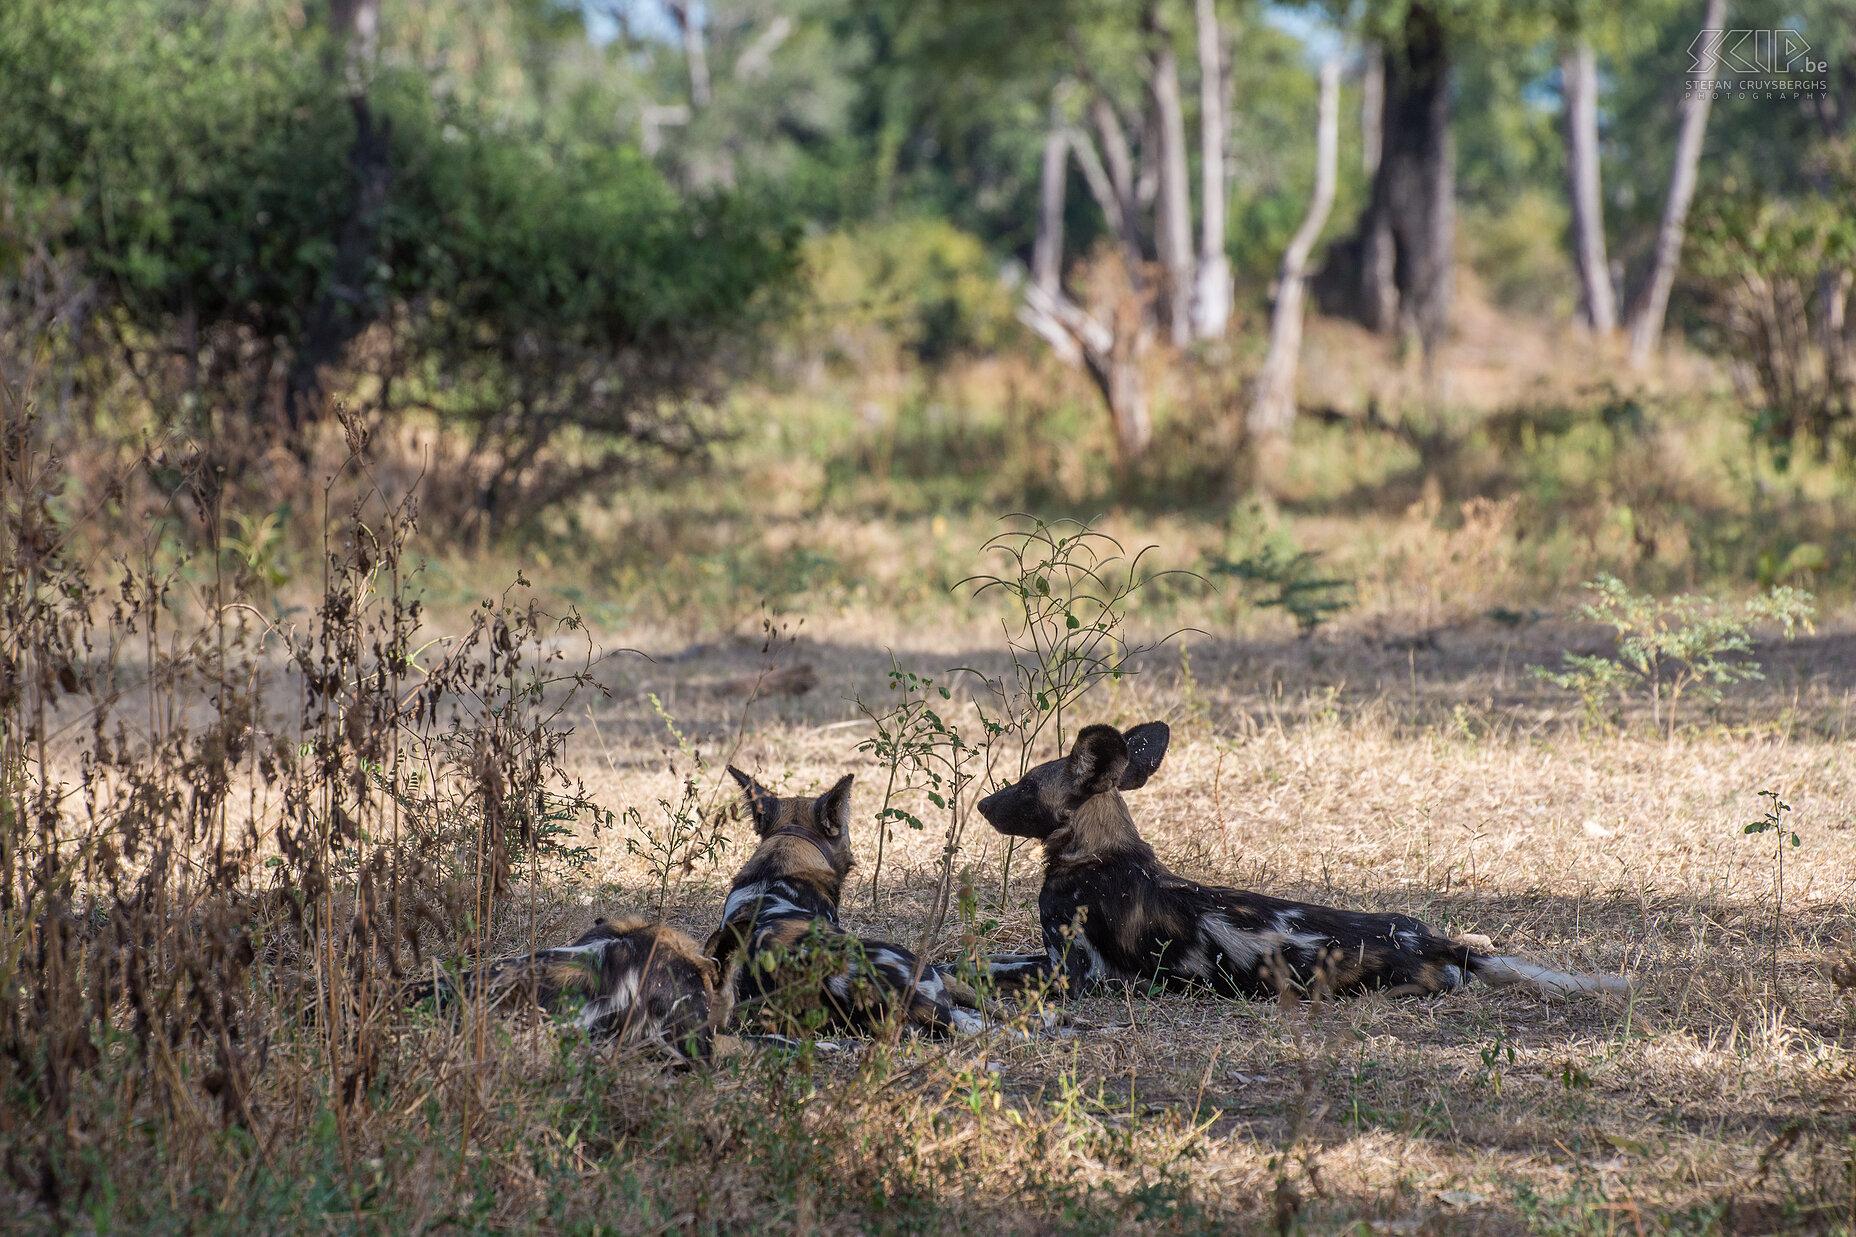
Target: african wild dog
x=782, y=918
x=1110, y=910
x=639, y=982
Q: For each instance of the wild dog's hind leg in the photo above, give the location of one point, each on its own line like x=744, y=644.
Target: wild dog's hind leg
x=929, y=1007
x=1010, y=972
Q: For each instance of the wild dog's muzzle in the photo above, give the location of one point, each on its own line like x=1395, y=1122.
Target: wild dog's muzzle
x=1017, y=811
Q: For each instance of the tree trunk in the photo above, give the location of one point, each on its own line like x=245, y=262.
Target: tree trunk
x=1372, y=108
x=1116, y=151
x=695, y=53
x=1047, y=249
x=1120, y=204
x=1173, y=221
x=343, y=310
x=1646, y=328
x=1272, y=410
x=1408, y=256
x=1579, y=84
x=1211, y=301
x=1110, y=351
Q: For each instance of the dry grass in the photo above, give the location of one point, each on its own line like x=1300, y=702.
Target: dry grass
x=1402, y=758
x=1716, y=1100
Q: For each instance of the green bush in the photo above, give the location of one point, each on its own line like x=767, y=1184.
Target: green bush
x=204, y=159
x=1668, y=646
x=1775, y=273
x=923, y=283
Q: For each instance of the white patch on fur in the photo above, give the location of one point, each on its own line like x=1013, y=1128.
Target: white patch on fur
x=560, y=950
x=1095, y=966
x=966, y=1023
x=1244, y=949
x=839, y=986
x=615, y=1002
x=770, y=903
x=1307, y=942
x=1502, y=972
x=931, y=987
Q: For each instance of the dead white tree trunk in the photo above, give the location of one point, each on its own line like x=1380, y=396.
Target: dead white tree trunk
x=1110, y=351
x=1272, y=408
x=1646, y=328
x=1047, y=248
x=1173, y=222
x=1211, y=300
x=757, y=61
x=1579, y=85
x=695, y=53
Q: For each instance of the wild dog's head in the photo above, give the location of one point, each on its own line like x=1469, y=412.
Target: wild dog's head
x=1104, y=761
x=823, y=822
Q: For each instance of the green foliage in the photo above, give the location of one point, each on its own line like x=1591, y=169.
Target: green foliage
x=914, y=744
x=1773, y=821
x=1668, y=646
x=1774, y=270
x=1291, y=581
x=206, y=163
x=924, y=283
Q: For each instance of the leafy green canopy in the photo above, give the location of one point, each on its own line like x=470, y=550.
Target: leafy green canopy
x=197, y=159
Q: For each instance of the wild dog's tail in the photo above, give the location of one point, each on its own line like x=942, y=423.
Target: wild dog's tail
x=1503, y=972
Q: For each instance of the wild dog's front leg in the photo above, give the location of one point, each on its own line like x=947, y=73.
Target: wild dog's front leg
x=1074, y=959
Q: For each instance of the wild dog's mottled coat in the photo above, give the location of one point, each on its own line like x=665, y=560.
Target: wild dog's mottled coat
x=639, y=983
x=781, y=918
x=1110, y=910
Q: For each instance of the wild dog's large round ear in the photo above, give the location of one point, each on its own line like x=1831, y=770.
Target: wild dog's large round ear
x=1146, y=749
x=833, y=808
x=1096, y=762
x=763, y=805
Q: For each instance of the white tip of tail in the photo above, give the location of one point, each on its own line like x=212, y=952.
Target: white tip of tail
x=1503, y=972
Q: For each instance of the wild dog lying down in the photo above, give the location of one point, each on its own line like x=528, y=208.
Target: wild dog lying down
x=781, y=919
x=1110, y=910
x=638, y=982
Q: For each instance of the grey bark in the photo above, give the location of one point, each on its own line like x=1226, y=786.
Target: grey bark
x=1173, y=208
x=1117, y=155
x=695, y=51
x=1579, y=85
x=757, y=60
x=1272, y=408
x=1109, y=350
x=1211, y=294
x=1047, y=248
x=1646, y=328
x=346, y=304
x=1408, y=249
x=1372, y=108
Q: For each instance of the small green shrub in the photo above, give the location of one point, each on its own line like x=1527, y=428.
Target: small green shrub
x=1773, y=822
x=1668, y=647
x=1773, y=273
x=1292, y=581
